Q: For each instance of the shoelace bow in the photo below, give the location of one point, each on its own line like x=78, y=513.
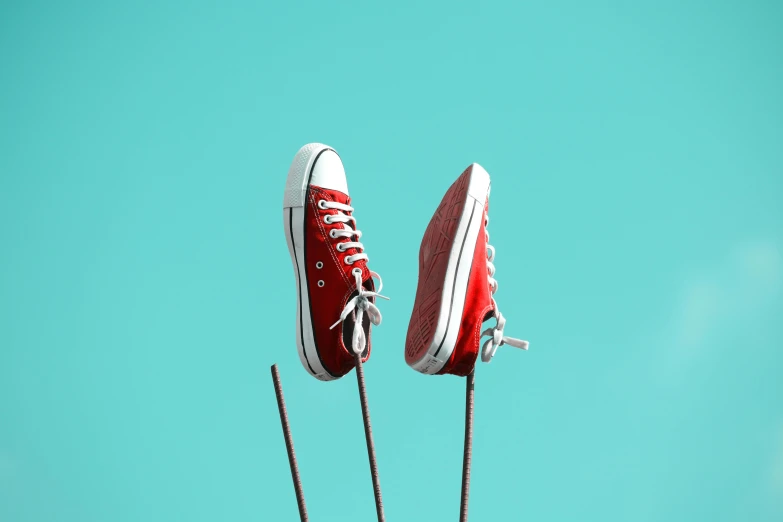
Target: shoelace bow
x=496, y=332
x=360, y=303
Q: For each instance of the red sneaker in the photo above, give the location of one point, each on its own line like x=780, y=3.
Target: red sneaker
x=334, y=285
x=456, y=284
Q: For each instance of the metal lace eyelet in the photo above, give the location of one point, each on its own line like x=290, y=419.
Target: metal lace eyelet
x=328, y=219
x=319, y=265
x=357, y=271
x=322, y=204
x=348, y=260
x=333, y=233
x=340, y=247
x=321, y=283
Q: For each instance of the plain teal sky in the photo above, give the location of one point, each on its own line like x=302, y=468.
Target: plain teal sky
x=636, y=154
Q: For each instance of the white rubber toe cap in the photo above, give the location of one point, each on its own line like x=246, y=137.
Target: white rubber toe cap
x=328, y=172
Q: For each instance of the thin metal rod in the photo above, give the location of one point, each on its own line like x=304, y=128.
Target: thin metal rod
x=468, y=448
x=289, y=444
x=376, y=484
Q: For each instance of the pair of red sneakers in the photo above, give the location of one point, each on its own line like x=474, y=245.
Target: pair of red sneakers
x=336, y=292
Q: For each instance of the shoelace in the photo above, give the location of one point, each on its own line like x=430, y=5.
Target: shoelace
x=360, y=303
x=497, y=338
x=348, y=232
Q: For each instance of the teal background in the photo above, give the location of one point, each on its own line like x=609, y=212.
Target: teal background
x=636, y=156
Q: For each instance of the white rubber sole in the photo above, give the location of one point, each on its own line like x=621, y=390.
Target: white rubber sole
x=294, y=201
x=455, y=285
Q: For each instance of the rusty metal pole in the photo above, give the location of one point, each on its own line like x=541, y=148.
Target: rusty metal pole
x=289, y=444
x=468, y=448
x=376, y=484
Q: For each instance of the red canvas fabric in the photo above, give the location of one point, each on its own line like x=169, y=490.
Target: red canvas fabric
x=328, y=299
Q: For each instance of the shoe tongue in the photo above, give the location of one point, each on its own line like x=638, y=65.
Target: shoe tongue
x=341, y=197
x=337, y=196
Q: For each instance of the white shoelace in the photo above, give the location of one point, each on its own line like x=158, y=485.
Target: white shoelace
x=497, y=338
x=360, y=303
